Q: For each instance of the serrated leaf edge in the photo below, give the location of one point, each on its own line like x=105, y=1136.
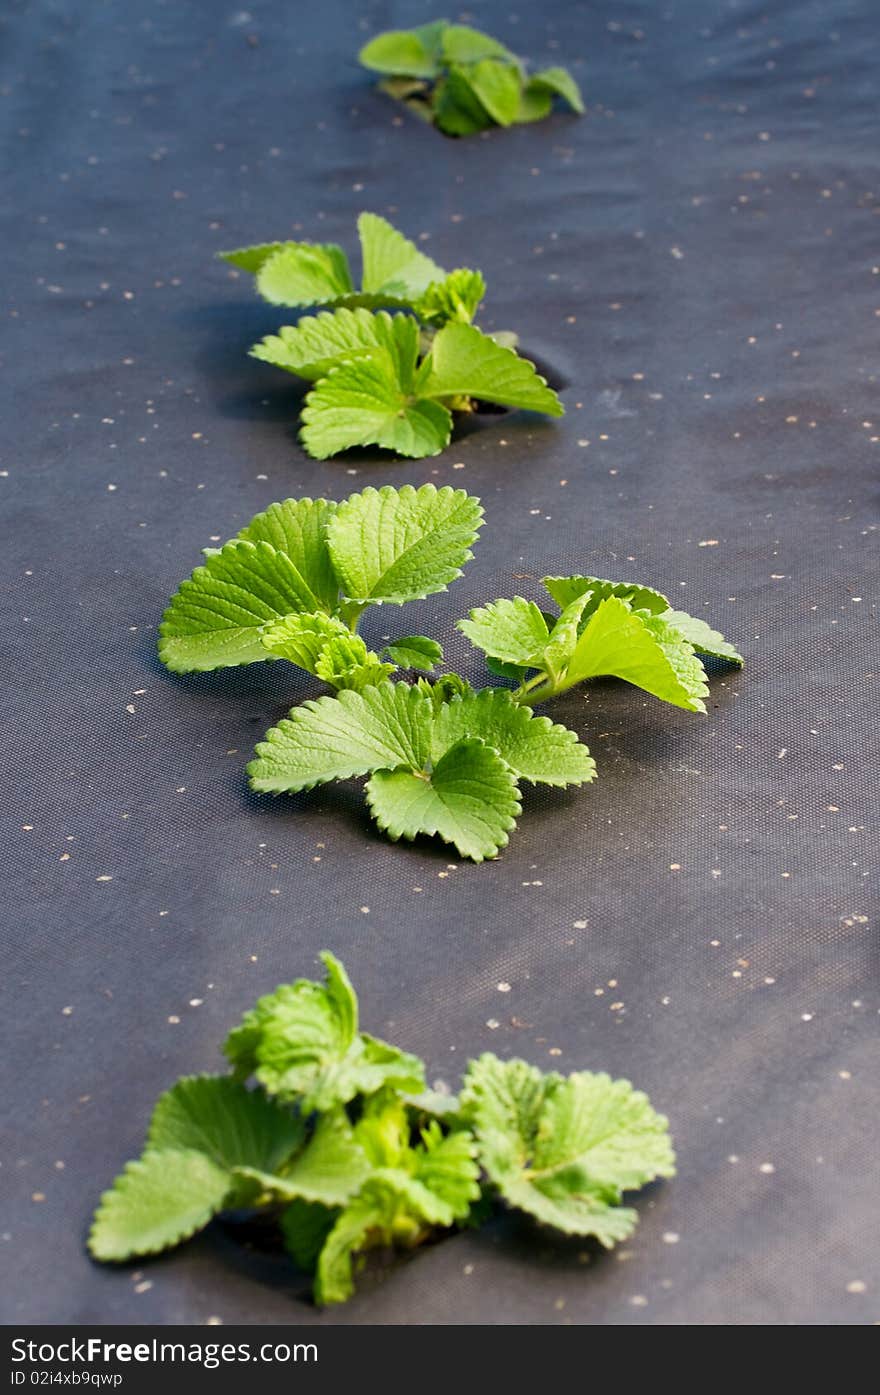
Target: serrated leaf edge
x=425, y=366
x=508, y=819
x=406, y=490
x=487, y=696
x=132, y=1167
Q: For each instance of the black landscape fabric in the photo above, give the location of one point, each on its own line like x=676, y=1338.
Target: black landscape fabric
x=696, y=265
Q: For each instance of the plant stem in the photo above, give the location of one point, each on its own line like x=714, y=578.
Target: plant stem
x=533, y=682
x=350, y=613
x=537, y=689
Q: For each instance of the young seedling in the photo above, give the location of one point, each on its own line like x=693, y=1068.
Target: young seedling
x=439, y=758
x=605, y=629
x=383, y=380
x=464, y=81
x=338, y=1140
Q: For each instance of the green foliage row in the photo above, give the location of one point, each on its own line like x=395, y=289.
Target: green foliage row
x=317, y=1126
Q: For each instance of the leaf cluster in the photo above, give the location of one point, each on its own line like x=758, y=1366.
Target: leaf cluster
x=612, y=629
x=338, y=1140
x=386, y=380
x=464, y=81
x=439, y=758
x=296, y=580
x=439, y=761
x=395, y=275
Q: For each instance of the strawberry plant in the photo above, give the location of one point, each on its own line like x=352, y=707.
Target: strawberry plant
x=464, y=81
x=338, y=1142
x=392, y=381
x=439, y=758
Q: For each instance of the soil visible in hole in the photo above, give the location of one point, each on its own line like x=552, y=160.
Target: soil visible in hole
x=554, y=376
x=255, y=1230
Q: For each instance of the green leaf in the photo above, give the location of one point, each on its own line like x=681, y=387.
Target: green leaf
x=372, y=1211
x=323, y=645
x=381, y=728
x=304, y=273
x=372, y=300
x=435, y=1103
x=565, y=589
x=320, y=342
x=341, y=653
x=391, y=262
x=447, y=1165
x=362, y=676
x=516, y=672
x=302, y=1043
x=465, y=362
x=565, y=1149
x=497, y=86
x=323, y=1011
x=398, y=51
x=642, y=649
x=305, y=1226
x=417, y=652
x=286, y=1068
x=383, y=1130
x=231, y=1125
x=443, y=760
x=419, y=1207
x=442, y=689
x=559, y=83
x=384, y=1065
x=156, y=1203
x=298, y=527
x=514, y=631
x=216, y=618
x=462, y=44
x=363, y=404
x=570, y=1202
x=534, y=104
x=470, y=799
x=563, y=638
x=253, y=258
x=609, y=1128
x=703, y=638
x=329, y=1170
x=455, y=298
x=398, y=1206
x=457, y=109
x=302, y=638
x=534, y=748
x=431, y=36
x=346, y=662
x=397, y=545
